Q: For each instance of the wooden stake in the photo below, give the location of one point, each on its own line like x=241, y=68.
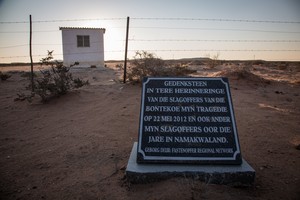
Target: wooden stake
x=30, y=54
x=126, y=47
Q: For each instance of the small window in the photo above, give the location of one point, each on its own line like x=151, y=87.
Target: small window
x=83, y=41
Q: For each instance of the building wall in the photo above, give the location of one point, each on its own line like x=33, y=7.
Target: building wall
x=86, y=56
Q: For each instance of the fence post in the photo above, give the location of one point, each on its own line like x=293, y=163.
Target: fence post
x=30, y=53
x=126, y=47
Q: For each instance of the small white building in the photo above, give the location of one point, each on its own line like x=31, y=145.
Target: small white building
x=83, y=45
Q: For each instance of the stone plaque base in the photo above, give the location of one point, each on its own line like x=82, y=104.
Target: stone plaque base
x=238, y=175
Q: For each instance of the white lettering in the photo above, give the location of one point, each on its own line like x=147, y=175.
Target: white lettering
x=200, y=140
x=187, y=109
x=220, y=119
x=156, y=139
x=162, y=109
x=164, y=90
x=186, y=83
x=151, y=128
x=198, y=91
x=180, y=129
x=152, y=149
x=211, y=109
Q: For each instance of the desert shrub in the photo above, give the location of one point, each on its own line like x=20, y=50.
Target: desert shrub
x=79, y=82
x=147, y=64
x=4, y=76
x=55, y=81
x=213, y=61
x=119, y=66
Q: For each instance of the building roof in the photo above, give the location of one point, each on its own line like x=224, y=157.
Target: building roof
x=86, y=28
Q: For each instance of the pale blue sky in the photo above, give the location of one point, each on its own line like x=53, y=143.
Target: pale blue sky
x=203, y=34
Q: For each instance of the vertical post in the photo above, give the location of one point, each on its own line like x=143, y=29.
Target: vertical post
x=126, y=47
x=30, y=53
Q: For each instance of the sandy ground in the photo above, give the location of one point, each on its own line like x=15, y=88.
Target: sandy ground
x=77, y=146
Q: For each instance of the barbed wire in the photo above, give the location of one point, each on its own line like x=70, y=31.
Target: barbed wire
x=213, y=29
x=172, y=28
x=195, y=40
x=60, y=20
x=60, y=44
x=218, y=19
x=200, y=50
x=173, y=40
x=14, y=46
x=157, y=19
x=172, y=50
x=166, y=40
x=60, y=54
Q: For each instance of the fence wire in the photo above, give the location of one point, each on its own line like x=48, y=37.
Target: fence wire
x=144, y=42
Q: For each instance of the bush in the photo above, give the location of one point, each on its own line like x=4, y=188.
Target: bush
x=79, y=83
x=55, y=81
x=214, y=61
x=119, y=66
x=147, y=64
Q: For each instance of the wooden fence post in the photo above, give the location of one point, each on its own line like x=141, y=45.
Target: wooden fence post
x=126, y=47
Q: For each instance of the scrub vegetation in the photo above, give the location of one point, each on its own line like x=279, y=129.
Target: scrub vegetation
x=148, y=64
x=53, y=82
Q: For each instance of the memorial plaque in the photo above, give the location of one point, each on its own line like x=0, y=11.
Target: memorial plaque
x=187, y=120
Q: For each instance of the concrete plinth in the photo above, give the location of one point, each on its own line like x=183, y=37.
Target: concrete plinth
x=242, y=175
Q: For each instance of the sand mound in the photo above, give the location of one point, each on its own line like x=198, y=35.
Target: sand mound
x=241, y=73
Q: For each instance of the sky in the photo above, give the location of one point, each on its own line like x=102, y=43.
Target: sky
x=171, y=29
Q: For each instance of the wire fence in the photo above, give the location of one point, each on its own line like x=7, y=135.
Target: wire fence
x=173, y=37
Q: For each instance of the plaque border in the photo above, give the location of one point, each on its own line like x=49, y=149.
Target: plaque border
x=187, y=158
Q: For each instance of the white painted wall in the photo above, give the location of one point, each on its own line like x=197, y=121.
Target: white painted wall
x=86, y=56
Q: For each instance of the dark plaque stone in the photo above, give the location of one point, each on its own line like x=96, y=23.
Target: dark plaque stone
x=187, y=120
